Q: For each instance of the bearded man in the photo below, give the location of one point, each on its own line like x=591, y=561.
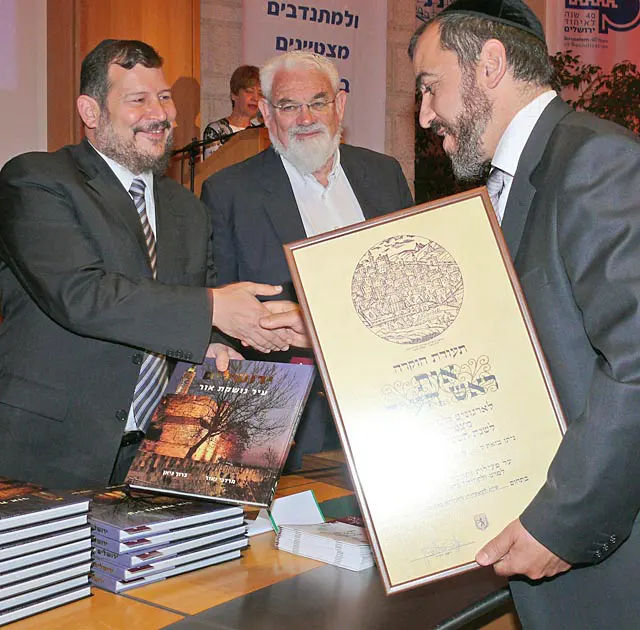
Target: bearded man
x=305, y=184
x=104, y=273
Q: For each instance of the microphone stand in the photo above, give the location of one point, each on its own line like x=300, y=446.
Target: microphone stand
x=193, y=151
x=195, y=146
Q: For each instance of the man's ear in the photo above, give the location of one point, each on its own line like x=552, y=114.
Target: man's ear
x=266, y=112
x=341, y=102
x=492, y=64
x=89, y=111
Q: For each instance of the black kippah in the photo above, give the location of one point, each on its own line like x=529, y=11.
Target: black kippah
x=510, y=12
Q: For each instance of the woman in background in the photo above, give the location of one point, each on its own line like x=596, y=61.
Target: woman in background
x=245, y=94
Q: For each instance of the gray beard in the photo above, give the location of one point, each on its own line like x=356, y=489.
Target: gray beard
x=309, y=155
x=126, y=153
x=469, y=162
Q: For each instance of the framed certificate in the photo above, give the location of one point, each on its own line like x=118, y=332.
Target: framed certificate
x=434, y=374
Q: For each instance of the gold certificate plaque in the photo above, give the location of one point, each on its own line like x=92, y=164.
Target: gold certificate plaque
x=442, y=399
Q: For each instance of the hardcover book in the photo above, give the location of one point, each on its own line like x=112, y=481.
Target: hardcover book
x=73, y=555
x=8, y=606
x=114, y=585
x=155, y=554
x=73, y=590
x=185, y=557
x=122, y=515
x=173, y=535
x=223, y=435
x=43, y=528
x=21, y=592
x=21, y=550
x=25, y=503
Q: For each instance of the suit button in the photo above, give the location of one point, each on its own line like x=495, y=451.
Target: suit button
x=137, y=358
x=121, y=415
x=612, y=539
x=188, y=356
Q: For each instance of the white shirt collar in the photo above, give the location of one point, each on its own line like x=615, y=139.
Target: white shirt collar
x=515, y=137
x=124, y=175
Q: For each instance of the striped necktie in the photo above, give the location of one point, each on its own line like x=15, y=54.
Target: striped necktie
x=153, y=378
x=495, y=186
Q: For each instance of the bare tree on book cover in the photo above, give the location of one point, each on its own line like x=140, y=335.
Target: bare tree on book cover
x=229, y=432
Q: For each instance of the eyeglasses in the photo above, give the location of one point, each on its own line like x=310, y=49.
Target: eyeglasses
x=291, y=110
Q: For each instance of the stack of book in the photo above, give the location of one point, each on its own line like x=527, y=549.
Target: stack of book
x=45, y=549
x=341, y=544
x=140, y=537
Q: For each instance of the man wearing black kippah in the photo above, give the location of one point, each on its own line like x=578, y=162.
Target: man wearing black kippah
x=569, y=204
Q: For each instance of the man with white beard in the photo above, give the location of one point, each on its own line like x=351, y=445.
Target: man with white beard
x=305, y=184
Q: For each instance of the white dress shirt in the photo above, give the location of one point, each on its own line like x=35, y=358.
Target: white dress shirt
x=512, y=143
x=321, y=208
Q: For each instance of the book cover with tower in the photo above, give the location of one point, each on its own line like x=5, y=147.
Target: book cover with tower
x=223, y=435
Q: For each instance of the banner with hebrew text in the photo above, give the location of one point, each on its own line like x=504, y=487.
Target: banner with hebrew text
x=352, y=33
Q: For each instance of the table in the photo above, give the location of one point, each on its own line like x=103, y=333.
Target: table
x=270, y=589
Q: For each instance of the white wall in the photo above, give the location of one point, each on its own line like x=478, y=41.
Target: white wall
x=23, y=77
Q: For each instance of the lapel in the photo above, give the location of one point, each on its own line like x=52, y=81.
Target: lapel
x=170, y=218
x=355, y=169
x=278, y=199
x=102, y=180
x=522, y=190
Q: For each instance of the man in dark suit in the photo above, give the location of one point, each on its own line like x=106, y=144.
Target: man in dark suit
x=570, y=213
x=306, y=183
x=104, y=269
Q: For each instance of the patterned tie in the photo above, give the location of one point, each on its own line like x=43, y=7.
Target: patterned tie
x=152, y=379
x=495, y=186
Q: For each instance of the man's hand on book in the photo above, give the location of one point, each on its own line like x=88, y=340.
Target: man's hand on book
x=222, y=354
x=237, y=312
x=287, y=316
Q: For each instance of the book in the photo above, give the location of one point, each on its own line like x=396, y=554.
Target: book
x=70, y=594
x=114, y=585
x=22, y=550
x=223, y=435
x=184, y=557
x=42, y=529
x=173, y=535
x=122, y=515
x=24, y=504
x=21, y=592
x=156, y=553
x=72, y=555
x=341, y=544
x=49, y=590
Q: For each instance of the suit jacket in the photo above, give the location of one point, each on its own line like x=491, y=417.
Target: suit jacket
x=80, y=304
x=254, y=211
x=572, y=226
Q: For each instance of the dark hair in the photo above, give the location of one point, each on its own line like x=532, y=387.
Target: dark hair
x=527, y=56
x=244, y=77
x=94, y=74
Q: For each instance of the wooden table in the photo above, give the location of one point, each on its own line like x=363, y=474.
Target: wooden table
x=268, y=588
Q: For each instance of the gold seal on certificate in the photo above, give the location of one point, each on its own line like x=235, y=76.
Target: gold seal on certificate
x=439, y=389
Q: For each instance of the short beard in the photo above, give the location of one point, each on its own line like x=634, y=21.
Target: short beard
x=468, y=160
x=126, y=153
x=311, y=154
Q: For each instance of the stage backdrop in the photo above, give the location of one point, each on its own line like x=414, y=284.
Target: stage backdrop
x=352, y=33
x=602, y=32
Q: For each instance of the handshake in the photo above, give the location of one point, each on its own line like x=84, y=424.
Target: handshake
x=265, y=326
